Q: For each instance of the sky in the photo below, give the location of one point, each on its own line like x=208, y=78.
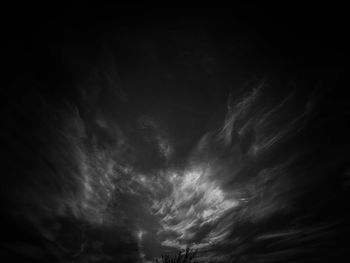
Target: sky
x=131, y=132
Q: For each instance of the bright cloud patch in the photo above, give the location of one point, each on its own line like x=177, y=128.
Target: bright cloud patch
x=195, y=202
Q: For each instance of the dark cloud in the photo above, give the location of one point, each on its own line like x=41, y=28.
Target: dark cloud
x=128, y=136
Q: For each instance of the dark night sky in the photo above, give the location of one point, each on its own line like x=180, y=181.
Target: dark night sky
x=130, y=132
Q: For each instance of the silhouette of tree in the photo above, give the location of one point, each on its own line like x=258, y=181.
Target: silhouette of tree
x=186, y=256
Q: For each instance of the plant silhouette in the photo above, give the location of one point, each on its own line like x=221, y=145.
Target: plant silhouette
x=186, y=256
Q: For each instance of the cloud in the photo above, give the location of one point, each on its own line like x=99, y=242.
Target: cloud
x=88, y=176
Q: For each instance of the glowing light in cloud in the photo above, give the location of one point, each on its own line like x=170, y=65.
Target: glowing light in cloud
x=194, y=202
